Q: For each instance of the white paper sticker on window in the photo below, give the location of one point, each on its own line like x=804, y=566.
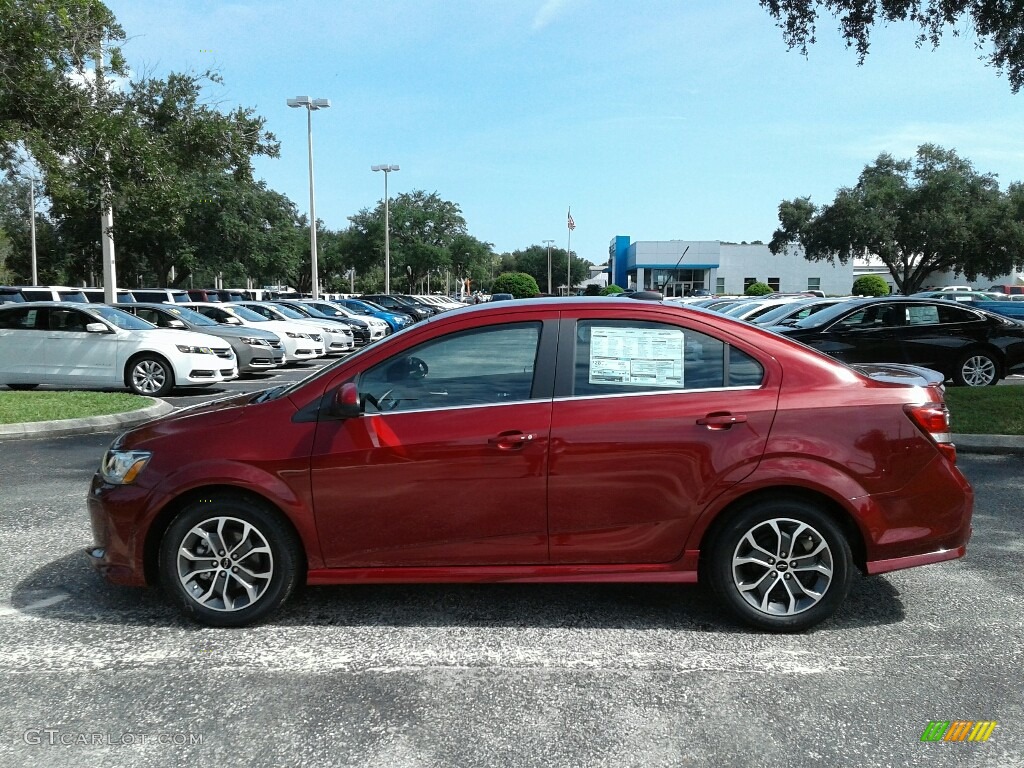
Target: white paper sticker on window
x=632, y=356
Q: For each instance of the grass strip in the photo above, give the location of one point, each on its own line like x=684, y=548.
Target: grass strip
x=19, y=407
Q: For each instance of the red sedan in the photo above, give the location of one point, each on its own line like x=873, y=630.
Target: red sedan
x=545, y=440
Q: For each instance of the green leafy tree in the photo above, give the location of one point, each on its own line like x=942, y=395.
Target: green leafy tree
x=5, y=254
x=870, y=285
x=608, y=290
x=181, y=186
x=1000, y=24
x=934, y=213
x=758, y=289
x=45, y=48
x=15, y=221
x=428, y=236
x=519, y=284
x=533, y=260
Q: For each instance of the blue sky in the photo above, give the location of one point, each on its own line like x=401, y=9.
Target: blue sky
x=655, y=119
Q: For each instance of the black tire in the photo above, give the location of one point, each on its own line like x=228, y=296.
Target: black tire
x=260, y=548
x=779, y=596
x=22, y=387
x=977, y=368
x=149, y=375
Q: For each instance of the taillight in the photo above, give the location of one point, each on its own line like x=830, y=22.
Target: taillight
x=933, y=420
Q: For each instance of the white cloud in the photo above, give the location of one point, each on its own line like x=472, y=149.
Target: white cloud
x=550, y=11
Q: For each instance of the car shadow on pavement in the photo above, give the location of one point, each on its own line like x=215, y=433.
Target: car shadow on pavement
x=81, y=595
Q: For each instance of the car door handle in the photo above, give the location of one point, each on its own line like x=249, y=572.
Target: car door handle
x=722, y=420
x=509, y=440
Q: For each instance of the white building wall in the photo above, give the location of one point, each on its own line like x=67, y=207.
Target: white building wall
x=739, y=262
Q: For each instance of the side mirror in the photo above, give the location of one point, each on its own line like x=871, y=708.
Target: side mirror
x=96, y=328
x=175, y=324
x=232, y=321
x=346, y=402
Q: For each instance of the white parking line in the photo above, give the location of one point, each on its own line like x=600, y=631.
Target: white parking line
x=46, y=602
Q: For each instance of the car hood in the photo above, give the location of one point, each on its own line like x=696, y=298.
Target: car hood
x=211, y=414
x=900, y=373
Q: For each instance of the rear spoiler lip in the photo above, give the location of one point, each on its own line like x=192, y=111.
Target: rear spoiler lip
x=901, y=373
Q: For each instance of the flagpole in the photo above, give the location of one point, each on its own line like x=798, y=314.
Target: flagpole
x=568, y=256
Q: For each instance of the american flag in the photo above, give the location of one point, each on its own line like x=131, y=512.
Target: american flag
x=572, y=224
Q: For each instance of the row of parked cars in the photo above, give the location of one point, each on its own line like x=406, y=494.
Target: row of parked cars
x=972, y=343
x=60, y=335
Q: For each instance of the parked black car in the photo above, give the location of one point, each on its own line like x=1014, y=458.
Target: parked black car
x=970, y=346
x=398, y=304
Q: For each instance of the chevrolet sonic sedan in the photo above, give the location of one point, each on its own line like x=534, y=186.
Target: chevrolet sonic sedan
x=598, y=440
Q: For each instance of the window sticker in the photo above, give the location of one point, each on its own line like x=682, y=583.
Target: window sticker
x=631, y=356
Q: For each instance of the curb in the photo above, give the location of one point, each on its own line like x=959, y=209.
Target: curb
x=64, y=427
x=1012, y=445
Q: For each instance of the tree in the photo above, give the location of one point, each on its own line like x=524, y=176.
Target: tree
x=610, y=290
x=533, y=260
x=870, y=285
x=181, y=184
x=757, y=289
x=1000, y=24
x=519, y=284
x=45, y=47
x=428, y=235
x=933, y=213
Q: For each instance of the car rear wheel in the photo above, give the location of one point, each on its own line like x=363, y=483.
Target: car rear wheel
x=228, y=561
x=150, y=375
x=781, y=565
x=977, y=369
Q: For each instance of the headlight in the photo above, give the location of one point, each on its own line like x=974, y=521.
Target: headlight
x=122, y=467
x=292, y=335
x=253, y=341
x=194, y=350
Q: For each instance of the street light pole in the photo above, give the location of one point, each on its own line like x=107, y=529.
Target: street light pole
x=387, y=225
x=549, y=244
x=311, y=105
x=32, y=226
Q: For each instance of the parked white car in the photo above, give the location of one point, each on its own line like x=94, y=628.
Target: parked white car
x=338, y=338
x=300, y=342
x=93, y=345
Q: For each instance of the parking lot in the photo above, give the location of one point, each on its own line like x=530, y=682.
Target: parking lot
x=440, y=675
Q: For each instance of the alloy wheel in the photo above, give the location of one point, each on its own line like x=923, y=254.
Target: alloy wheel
x=782, y=567
x=225, y=564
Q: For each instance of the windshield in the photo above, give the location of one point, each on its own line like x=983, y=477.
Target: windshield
x=189, y=315
x=359, y=310
x=247, y=314
x=828, y=314
x=121, y=319
x=288, y=312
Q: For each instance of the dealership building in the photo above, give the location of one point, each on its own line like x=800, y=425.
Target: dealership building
x=678, y=267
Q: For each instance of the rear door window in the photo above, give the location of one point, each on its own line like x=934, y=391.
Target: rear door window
x=620, y=356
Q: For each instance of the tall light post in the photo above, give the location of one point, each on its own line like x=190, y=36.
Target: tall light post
x=549, y=243
x=311, y=105
x=32, y=226
x=387, y=225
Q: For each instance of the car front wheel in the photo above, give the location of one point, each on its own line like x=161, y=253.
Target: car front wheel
x=228, y=561
x=781, y=565
x=977, y=369
x=150, y=375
